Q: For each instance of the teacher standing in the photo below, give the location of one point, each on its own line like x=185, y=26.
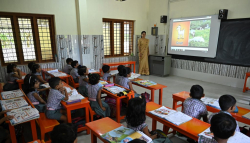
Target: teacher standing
x=143, y=54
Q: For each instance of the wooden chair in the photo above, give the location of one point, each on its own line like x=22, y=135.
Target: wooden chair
x=75, y=85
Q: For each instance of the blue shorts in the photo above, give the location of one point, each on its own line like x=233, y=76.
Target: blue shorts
x=53, y=114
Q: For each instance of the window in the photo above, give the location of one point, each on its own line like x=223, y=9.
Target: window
x=118, y=37
x=26, y=37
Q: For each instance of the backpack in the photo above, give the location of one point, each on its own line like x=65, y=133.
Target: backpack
x=147, y=96
x=245, y=131
x=112, y=104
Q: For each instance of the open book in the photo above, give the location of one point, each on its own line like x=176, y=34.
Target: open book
x=238, y=137
x=175, y=117
x=12, y=94
x=23, y=114
x=13, y=103
x=114, y=72
x=211, y=102
x=115, y=89
x=134, y=75
x=56, y=73
x=93, y=71
x=145, y=82
x=124, y=135
x=103, y=82
x=247, y=115
x=74, y=94
x=46, y=85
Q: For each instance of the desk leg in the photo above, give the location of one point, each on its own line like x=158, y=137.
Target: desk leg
x=43, y=75
x=87, y=117
x=67, y=80
x=154, y=124
x=33, y=128
x=165, y=129
x=93, y=138
x=134, y=67
x=118, y=114
x=69, y=116
x=113, y=79
x=174, y=104
x=152, y=95
x=20, y=85
x=12, y=134
x=160, y=96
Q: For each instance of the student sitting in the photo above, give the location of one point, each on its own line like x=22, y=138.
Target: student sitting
x=223, y=127
x=56, y=94
x=227, y=104
x=67, y=68
x=74, y=71
x=193, y=106
x=37, y=71
x=13, y=74
x=94, y=93
x=30, y=64
x=31, y=85
x=4, y=134
x=106, y=70
x=136, y=117
x=64, y=133
x=119, y=75
x=83, y=81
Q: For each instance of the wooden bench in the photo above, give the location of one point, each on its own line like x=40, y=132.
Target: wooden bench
x=46, y=125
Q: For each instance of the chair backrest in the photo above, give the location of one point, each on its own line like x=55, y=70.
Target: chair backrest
x=75, y=85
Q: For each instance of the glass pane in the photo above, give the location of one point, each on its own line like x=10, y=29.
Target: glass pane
x=128, y=37
x=45, y=40
x=7, y=40
x=106, y=38
x=27, y=40
x=117, y=38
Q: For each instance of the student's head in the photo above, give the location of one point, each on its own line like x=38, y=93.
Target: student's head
x=64, y=133
x=74, y=64
x=11, y=68
x=30, y=83
x=223, y=126
x=106, y=69
x=120, y=67
x=36, y=68
x=83, y=70
x=227, y=103
x=196, y=92
x=143, y=34
x=135, y=115
x=55, y=83
x=94, y=78
x=137, y=141
x=69, y=60
x=30, y=64
x=126, y=72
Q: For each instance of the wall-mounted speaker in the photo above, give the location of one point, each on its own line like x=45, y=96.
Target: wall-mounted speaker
x=223, y=14
x=164, y=19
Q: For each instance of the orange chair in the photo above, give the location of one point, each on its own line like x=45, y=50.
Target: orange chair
x=246, y=88
x=46, y=125
x=1, y=87
x=72, y=82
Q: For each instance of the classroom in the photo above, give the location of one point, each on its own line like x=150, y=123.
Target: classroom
x=124, y=71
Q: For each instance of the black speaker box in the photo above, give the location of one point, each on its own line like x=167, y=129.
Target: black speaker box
x=164, y=19
x=223, y=14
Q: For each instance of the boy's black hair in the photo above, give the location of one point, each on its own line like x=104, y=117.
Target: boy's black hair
x=82, y=70
x=64, y=133
x=223, y=125
x=105, y=68
x=73, y=64
x=35, y=67
x=30, y=64
x=135, y=115
x=125, y=71
x=10, y=67
x=68, y=60
x=29, y=82
x=226, y=101
x=94, y=78
x=54, y=81
x=137, y=141
x=120, y=67
x=196, y=91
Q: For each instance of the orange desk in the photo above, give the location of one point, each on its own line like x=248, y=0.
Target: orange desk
x=190, y=129
x=100, y=127
x=182, y=96
x=21, y=81
x=153, y=88
x=122, y=63
x=83, y=104
x=32, y=123
x=44, y=71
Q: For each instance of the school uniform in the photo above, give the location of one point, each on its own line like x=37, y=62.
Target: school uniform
x=106, y=76
x=75, y=75
x=39, y=106
x=210, y=117
x=92, y=94
x=43, y=93
x=194, y=108
x=54, y=104
x=117, y=78
x=83, y=86
x=124, y=81
x=67, y=69
x=11, y=82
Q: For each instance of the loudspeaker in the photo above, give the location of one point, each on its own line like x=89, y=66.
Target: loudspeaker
x=164, y=19
x=223, y=14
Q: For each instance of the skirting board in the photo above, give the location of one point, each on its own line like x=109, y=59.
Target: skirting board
x=223, y=80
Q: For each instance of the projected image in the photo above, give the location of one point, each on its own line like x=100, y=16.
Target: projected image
x=199, y=33
x=180, y=33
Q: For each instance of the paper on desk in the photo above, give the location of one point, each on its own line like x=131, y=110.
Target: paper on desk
x=74, y=95
x=114, y=72
x=92, y=70
x=51, y=71
x=46, y=85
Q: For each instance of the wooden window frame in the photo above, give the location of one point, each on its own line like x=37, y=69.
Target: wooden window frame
x=112, y=21
x=15, y=28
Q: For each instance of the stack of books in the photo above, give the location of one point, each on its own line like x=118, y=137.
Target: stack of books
x=145, y=83
x=175, y=117
x=12, y=94
x=115, y=89
x=13, y=103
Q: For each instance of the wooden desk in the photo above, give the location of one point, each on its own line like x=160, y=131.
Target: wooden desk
x=45, y=71
x=32, y=123
x=83, y=104
x=21, y=81
x=122, y=63
x=153, y=88
x=182, y=96
x=101, y=127
x=190, y=129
